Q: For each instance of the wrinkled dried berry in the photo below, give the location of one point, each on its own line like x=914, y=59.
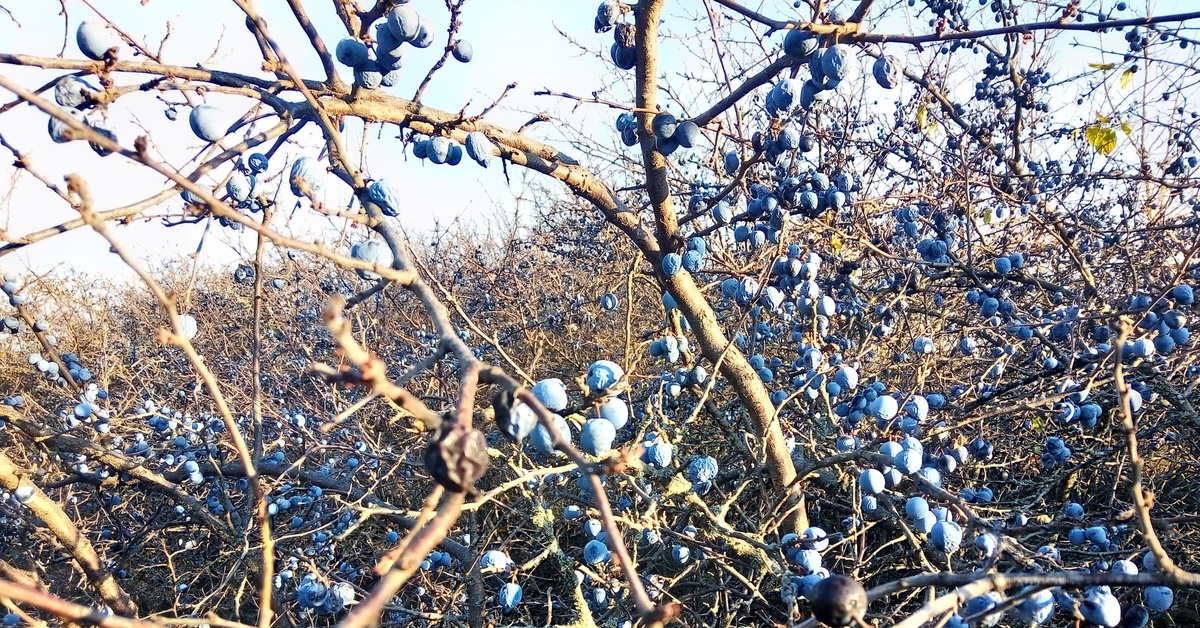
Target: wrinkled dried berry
x=838, y=601
x=457, y=456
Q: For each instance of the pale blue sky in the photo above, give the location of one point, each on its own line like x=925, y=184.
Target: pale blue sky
x=514, y=41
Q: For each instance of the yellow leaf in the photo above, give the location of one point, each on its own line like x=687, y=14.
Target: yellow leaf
x=987, y=216
x=1102, y=138
x=1126, y=128
x=837, y=244
x=1102, y=66
x=1101, y=119
x=1126, y=79
x=922, y=116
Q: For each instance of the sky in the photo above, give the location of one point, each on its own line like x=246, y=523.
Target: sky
x=514, y=41
x=509, y=47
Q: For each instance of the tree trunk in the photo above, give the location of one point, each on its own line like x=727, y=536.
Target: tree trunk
x=694, y=307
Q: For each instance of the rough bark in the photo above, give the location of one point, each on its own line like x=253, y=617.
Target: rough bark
x=692, y=304
x=69, y=537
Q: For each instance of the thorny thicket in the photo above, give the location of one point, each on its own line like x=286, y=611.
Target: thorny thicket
x=992, y=249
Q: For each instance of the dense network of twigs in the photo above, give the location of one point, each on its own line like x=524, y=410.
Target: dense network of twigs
x=935, y=343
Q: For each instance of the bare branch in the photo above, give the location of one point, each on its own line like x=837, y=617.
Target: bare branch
x=71, y=539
